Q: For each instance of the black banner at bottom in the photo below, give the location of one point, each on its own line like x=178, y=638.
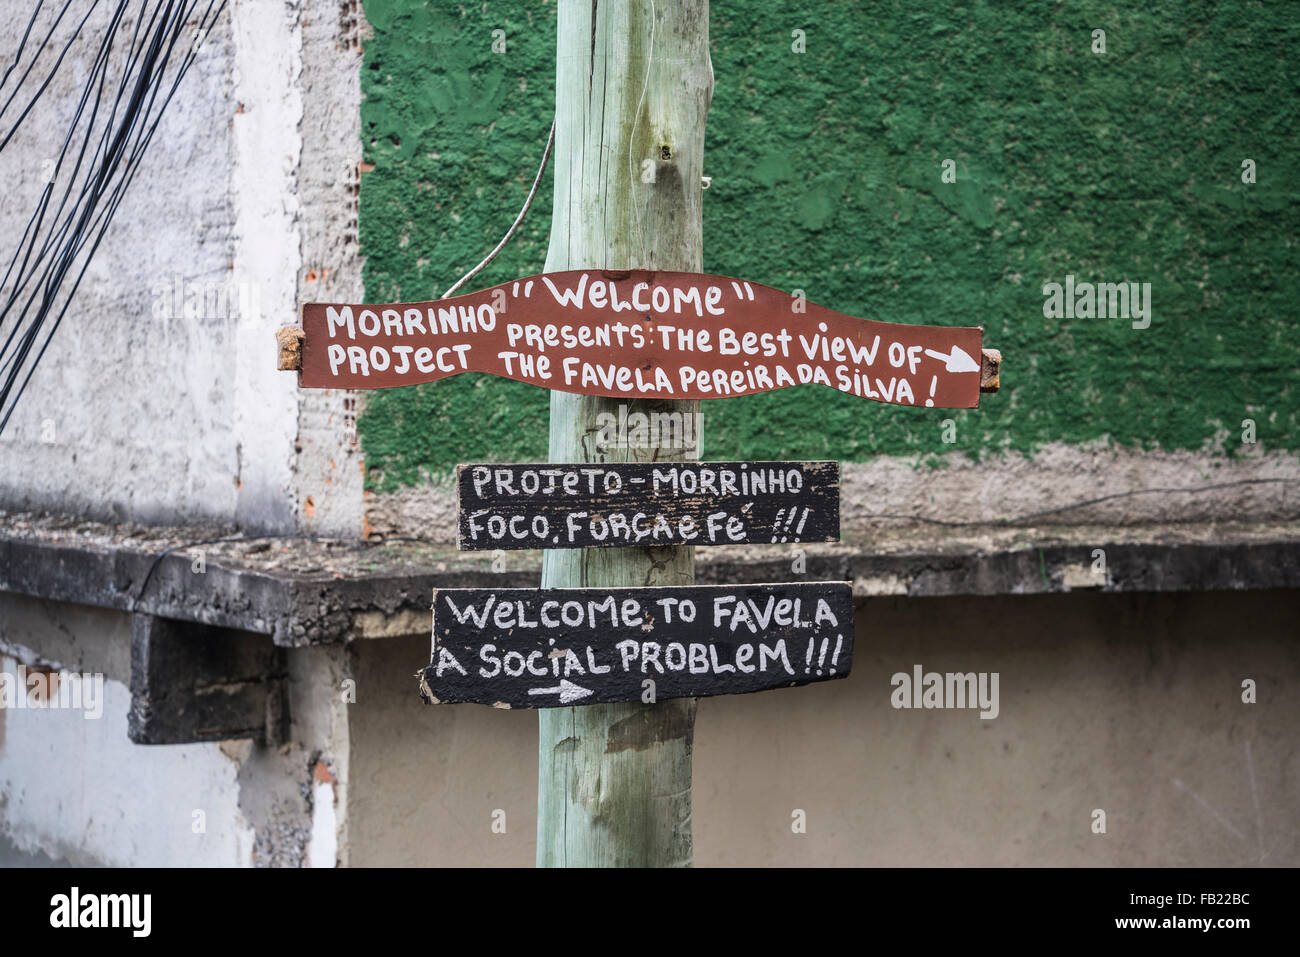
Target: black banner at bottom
x=974, y=907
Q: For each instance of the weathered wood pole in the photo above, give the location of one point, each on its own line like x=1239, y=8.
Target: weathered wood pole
x=633, y=81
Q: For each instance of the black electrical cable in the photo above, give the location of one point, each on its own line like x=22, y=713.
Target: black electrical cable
x=132, y=77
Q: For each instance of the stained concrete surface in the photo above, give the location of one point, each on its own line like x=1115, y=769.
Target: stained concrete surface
x=12, y=856
x=1130, y=704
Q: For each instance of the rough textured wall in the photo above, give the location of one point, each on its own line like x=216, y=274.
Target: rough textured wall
x=827, y=176
x=328, y=486
x=158, y=399
x=1132, y=704
x=131, y=413
x=75, y=789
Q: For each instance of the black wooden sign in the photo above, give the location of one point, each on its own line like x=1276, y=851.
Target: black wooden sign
x=669, y=503
x=552, y=647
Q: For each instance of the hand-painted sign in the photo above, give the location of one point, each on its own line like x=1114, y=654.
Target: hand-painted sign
x=640, y=334
x=668, y=503
x=551, y=647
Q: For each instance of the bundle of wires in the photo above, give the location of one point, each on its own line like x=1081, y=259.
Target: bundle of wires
x=145, y=51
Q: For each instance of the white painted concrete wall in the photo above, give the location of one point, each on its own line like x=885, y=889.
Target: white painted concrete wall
x=77, y=789
x=156, y=405
x=267, y=64
x=146, y=409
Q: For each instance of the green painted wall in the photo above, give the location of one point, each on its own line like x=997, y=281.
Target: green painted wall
x=826, y=173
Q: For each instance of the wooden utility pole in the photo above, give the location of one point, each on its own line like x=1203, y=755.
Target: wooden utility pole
x=632, y=91
x=633, y=85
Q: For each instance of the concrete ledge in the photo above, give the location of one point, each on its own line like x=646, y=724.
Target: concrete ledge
x=310, y=591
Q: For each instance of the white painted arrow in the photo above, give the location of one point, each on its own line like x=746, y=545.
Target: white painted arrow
x=958, y=361
x=566, y=689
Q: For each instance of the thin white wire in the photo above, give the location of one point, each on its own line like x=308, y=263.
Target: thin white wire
x=550, y=141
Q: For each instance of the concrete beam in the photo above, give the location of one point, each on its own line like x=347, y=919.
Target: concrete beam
x=311, y=591
x=192, y=682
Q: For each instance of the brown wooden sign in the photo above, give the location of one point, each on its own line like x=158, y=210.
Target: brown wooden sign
x=646, y=504
x=640, y=334
x=552, y=647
